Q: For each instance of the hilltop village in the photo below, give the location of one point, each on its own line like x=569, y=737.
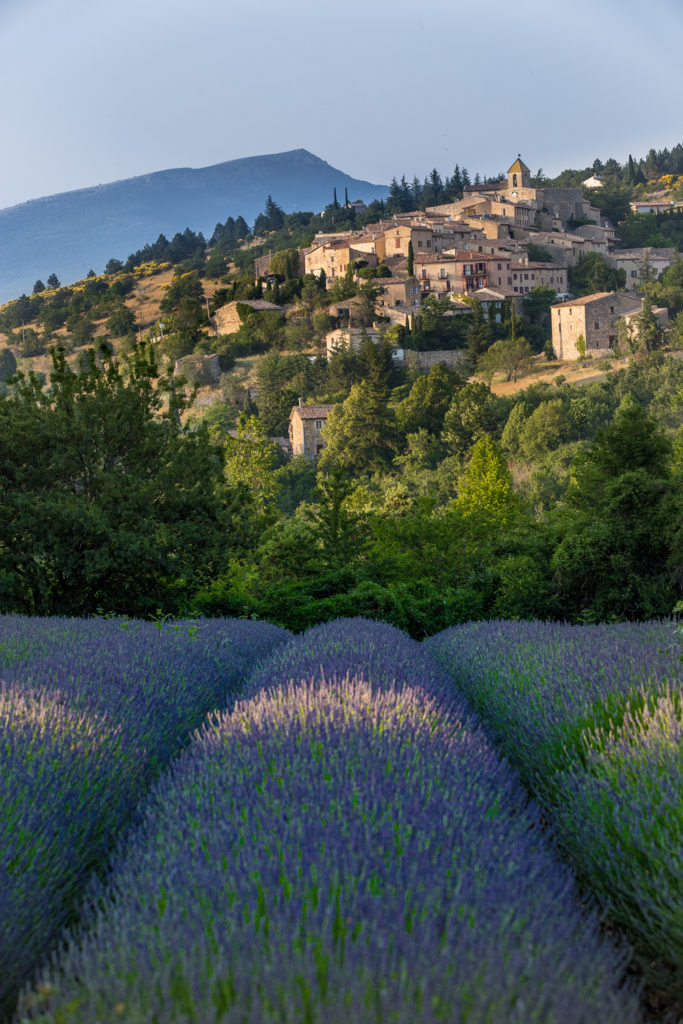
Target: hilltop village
x=474, y=252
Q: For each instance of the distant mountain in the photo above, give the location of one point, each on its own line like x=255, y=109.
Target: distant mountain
x=71, y=232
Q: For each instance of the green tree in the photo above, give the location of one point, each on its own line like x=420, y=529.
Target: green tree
x=425, y=406
x=537, y=304
x=38, y=287
x=8, y=364
x=121, y=321
x=105, y=502
x=477, y=332
x=473, y=412
x=647, y=333
x=593, y=274
x=614, y=556
x=359, y=433
x=411, y=258
x=53, y=281
x=486, y=497
x=510, y=356
x=250, y=458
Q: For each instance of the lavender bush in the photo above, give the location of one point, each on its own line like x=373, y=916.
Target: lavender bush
x=592, y=717
x=85, y=730
x=332, y=851
x=364, y=647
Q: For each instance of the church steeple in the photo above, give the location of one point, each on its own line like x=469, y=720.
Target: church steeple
x=519, y=175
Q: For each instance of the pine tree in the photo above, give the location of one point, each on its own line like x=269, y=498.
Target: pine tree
x=411, y=258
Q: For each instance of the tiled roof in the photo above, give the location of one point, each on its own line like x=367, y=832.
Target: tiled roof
x=313, y=412
x=584, y=300
x=519, y=167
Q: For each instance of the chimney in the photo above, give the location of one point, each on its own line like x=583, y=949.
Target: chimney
x=301, y=403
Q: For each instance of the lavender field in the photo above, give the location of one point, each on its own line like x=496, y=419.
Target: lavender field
x=215, y=821
x=91, y=711
x=592, y=718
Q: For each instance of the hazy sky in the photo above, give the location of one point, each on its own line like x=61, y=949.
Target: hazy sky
x=94, y=91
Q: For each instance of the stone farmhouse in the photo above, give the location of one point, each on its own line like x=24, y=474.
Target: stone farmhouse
x=631, y=261
x=595, y=319
x=226, y=319
x=306, y=424
x=348, y=337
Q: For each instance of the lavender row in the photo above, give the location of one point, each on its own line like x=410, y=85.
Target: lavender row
x=593, y=718
x=334, y=851
x=84, y=732
x=354, y=646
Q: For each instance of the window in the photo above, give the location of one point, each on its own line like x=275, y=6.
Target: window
x=611, y=309
x=500, y=266
x=319, y=424
x=419, y=245
x=397, y=243
x=597, y=325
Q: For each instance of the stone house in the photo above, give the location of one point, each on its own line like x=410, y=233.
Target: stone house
x=567, y=247
x=334, y=258
x=348, y=337
x=631, y=262
x=493, y=301
x=593, y=318
x=226, y=319
x=306, y=423
x=460, y=272
x=651, y=205
x=398, y=295
x=527, y=275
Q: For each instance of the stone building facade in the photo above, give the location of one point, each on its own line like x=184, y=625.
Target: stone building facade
x=306, y=423
x=226, y=319
x=593, y=318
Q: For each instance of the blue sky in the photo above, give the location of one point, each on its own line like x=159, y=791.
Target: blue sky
x=94, y=92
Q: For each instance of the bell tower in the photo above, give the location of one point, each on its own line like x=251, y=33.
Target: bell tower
x=519, y=176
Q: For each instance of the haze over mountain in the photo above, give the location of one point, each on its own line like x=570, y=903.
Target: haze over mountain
x=72, y=232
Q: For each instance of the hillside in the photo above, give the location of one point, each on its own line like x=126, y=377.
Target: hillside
x=72, y=232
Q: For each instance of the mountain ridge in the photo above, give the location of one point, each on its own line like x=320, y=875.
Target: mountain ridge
x=67, y=233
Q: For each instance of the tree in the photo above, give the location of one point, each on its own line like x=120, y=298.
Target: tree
x=511, y=356
x=477, y=332
x=593, y=274
x=486, y=497
x=105, y=502
x=121, y=322
x=614, y=555
x=53, y=281
x=359, y=433
x=537, y=304
x=8, y=364
x=425, y=407
x=38, y=287
x=286, y=264
x=648, y=333
x=411, y=258
x=473, y=412
x=250, y=458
